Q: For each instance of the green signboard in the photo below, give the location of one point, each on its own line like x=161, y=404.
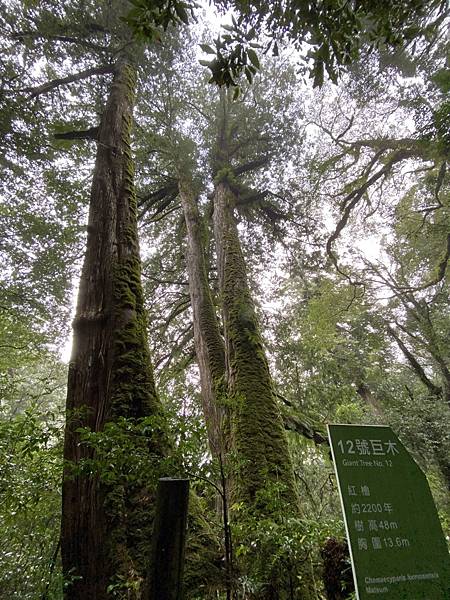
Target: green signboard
x=397, y=546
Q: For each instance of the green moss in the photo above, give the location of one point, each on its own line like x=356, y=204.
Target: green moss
x=203, y=568
x=133, y=385
x=263, y=482
x=258, y=432
x=225, y=174
x=128, y=499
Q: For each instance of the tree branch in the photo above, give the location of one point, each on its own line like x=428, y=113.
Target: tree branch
x=301, y=426
x=252, y=165
x=251, y=197
x=47, y=87
x=389, y=144
x=19, y=35
x=417, y=367
x=180, y=307
x=149, y=200
x=87, y=134
x=352, y=199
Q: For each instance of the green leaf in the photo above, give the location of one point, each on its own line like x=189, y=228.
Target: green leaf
x=208, y=49
x=253, y=58
x=182, y=14
x=318, y=74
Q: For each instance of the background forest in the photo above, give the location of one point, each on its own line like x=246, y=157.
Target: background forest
x=288, y=189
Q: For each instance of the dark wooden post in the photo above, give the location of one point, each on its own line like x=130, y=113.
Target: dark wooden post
x=337, y=570
x=169, y=537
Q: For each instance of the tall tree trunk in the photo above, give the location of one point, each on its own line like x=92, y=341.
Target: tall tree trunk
x=209, y=344
x=104, y=526
x=258, y=432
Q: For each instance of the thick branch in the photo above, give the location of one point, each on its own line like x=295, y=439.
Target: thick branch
x=35, y=35
x=294, y=424
x=87, y=134
x=417, y=367
x=252, y=165
x=47, y=87
x=305, y=428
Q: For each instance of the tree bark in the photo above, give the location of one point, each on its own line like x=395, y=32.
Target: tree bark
x=169, y=538
x=416, y=366
x=110, y=376
x=258, y=432
x=209, y=346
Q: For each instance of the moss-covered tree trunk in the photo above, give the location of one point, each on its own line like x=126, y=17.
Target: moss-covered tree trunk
x=257, y=432
x=257, y=429
x=209, y=346
x=110, y=376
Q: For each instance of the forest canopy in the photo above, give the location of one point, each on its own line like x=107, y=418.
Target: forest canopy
x=237, y=216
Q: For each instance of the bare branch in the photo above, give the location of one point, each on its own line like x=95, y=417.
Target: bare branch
x=417, y=367
x=347, y=129
x=19, y=35
x=47, y=87
x=352, y=199
x=199, y=110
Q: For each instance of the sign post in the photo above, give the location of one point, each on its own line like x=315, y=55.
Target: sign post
x=397, y=546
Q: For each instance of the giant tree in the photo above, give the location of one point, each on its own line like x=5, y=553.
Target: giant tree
x=238, y=148
x=106, y=523
x=239, y=140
